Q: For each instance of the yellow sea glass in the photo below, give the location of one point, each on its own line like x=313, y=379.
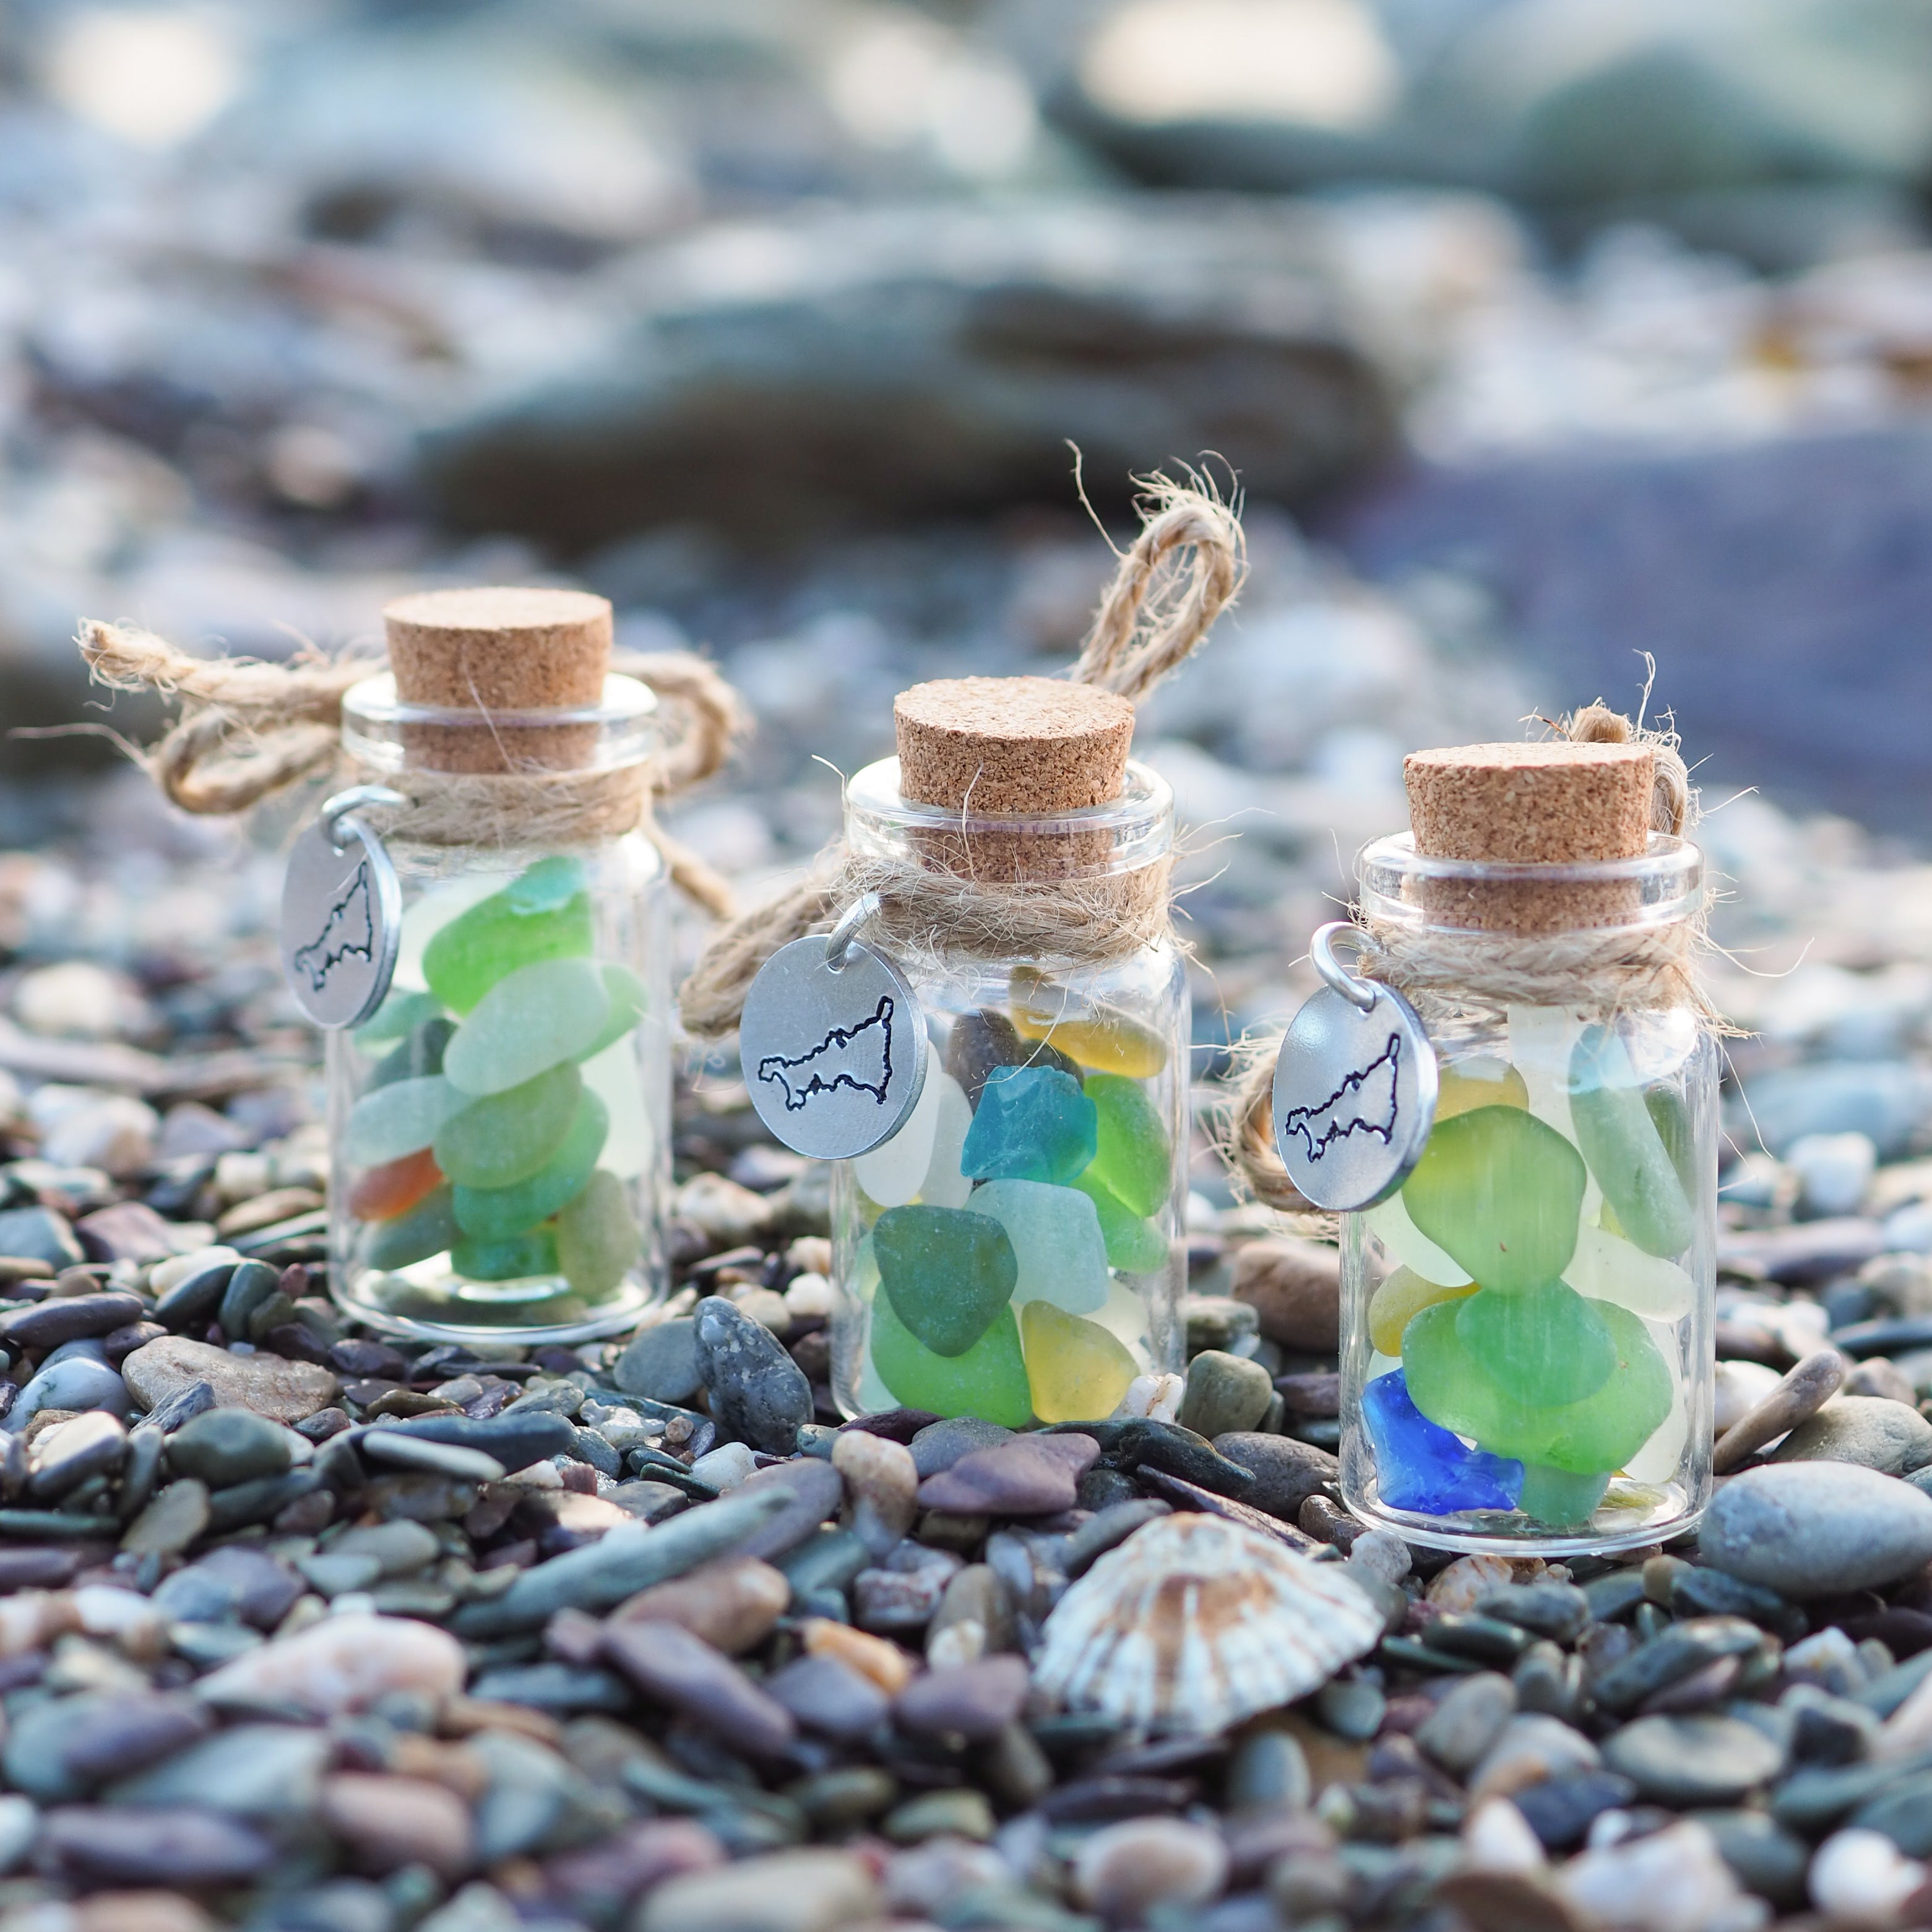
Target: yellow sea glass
x=1482, y=1080
x=1399, y=1300
x=1076, y=1370
x=1101, y=1037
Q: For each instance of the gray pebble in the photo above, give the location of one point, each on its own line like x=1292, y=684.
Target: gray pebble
x=1871, y=1430
x=179, y=1845
x=196, y=1399
x=811, y=1491
x=448, y=1459
x=516, y=1438
x=68, y=1317
x=1464, y=1726
x=974, y=1701
x=1225, y=1393
x=941, y=1445
x=78, y=1382
x=65, y=1456
x=669, y=1663
x=170, y=1522
x=1268, y=1770
x=757, y=1391
x=828, y=1696
x=1694, y=1760
x=1352, y=1708
x=1816, y=1529
x=1286, y=1472
x=39, y=1234
x=223, y=1447
x=232, y=1581
x=662, y=1363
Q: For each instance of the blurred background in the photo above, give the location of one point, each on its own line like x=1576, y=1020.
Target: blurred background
x=1539, y=335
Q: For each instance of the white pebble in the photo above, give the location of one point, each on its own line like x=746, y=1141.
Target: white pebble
x=725, y=1467
x=1125, y=1869
x=1381, y=1553
x=1156, y=1397
x=80, y=1000
x=1740, y=1387
x=1861, y=1878
x=884, y=1482
x=1496, y=1837
x=345, y=1663
x=962, y=1642
x=1675, y=1880
x=80, y=1128
x=163, y=1275
x=809, y=1296
x=1834, y=1170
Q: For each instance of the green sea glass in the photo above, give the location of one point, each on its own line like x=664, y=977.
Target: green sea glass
x=403, y=1117
x=1620, y=1140
x=400, y=1014
x=417, y=1058
x=554, y=1010
x=598, y=1239
x=1132, y=1157
x=506, y=1138
x=534, y=1252
x=1133, y=1243
x=947, y=1271
x=1558, y=1498
x=426, y=1229
x=1499, y=1192
x=1032, y=1124
x=1546, y=1345
x=543, y=914
x=989, y=1380
x=496, y=1214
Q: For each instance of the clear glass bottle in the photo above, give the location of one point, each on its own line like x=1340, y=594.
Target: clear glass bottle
x=1055, y=1109
x=1564, y=1405
x=500, y=1129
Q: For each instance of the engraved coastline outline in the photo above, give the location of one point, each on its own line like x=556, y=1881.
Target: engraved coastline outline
x=1321, y=1126
x=348, y=933
x=841, y=1059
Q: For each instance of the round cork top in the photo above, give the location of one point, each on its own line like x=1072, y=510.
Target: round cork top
x=499, y=649
x=1035, y=745
x=1557, y=803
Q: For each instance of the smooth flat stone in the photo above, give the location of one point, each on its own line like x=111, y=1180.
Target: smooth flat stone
x=1422, y=1467
x=599, y=1240
x=1225, y=1394
x=1687, y=1761
x=947, y=1271
x=1872, y=1430
x=989, y=1380
x=538, y=1015
x=1625, y=1152
x=1076, y=1369
x=507, y=1137
x=1031, y=1475
x=757, y=1390
x=543, y=914
x=1032, y=1124
x=78, y=1382
x=1817, y=1529
x=515, y=1440
x=1799, y=1394
x=662, y=1363
x=46, y=1325
x=892, y=1174
x=1133, y=1156
x=1060, y=1253
x=285, y=1391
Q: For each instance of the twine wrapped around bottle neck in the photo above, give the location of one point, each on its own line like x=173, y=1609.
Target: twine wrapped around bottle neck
x=1598, y=972
x=249, y=730
x=1184, y=568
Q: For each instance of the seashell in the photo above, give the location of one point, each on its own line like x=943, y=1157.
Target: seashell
x=1194, y=1623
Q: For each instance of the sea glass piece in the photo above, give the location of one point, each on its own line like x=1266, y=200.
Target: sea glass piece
x=1606, y=1267
x=496, y=1214
x=1132, y=1157
x=1400, y=1299
x=1621, y=1142
x=531, y=1019
x=543, y=914
x=1077, y=1371
x=628, y=1000
x=1500, y=1191
x=416, y=1058
x=943, y=1184
x=598, y=1239
x=1057, y=1243
x=631, y=1144
x=426, y=1229
x=515, y=1259
x=1033, y=1123
x=1480, y=1081
x=892, y=1173
x=981, y=1043
x=947, y=1272
x=989, y=1380
x=1662, y=1454
x=1124, y=1316
x=401, y=1118
x=1451, y=1386
x=382, y=1193
x=1670, y=1114
x=398, y=1016
x=1541, y=1039
x=1388, y=1221
x=1421, y=1466
x=1133, y=1243
x=1545, y=1346
x=506, y=1138
x=1558, y=1498
x=1100, y=1036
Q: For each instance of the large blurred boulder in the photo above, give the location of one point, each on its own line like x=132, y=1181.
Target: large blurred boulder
x=845, y=369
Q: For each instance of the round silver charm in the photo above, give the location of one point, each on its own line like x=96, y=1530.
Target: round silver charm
x=832, y=1044
x=1354, y=1087
x=342, y=914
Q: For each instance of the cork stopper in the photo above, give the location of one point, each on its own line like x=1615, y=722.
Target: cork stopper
x=1559, y=803
x=1033, y=745
x=494, y=650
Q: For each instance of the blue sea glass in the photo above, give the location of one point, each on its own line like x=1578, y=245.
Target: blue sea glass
x=1422, y=1466
x=1033, y=1124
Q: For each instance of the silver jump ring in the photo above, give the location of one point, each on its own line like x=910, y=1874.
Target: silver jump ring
x=336, y=809
x=838, y=940
x=1358, y=992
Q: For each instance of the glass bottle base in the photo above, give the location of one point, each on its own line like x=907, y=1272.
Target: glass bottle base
x=1509, y=1533
x=539, y=1309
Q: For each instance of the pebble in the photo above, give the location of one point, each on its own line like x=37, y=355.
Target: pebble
x=806, y=1492
x=1816, y=1529
x=1031, y=1475
x=662, y=1363
x=825, y=1694
x=174, y=1846
x=67, y=1317
x=940, y=1444
x=1533, y=1747
x=1286, y=1472
x=1861, y=1878
x=734, y=1603
x=683, y=1670
x=390, y=1822
x=1225, y=1394
x=1124, y=1871
x=1873, y=1431
x=1694, y=1760
x=1466, y=1725
x=223, y=1446
x=1675, y=1880
x=974, y=1701
x=885, y=1663
x=345, y=1663
x=283, y=1391
x=1295, y=1287
x=961, y=1813
x=883, y=1480
x=78, y=1382
x=786, y=1892
x=757, y=1390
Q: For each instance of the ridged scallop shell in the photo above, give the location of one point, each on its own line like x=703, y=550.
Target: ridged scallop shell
x=1194, y=1623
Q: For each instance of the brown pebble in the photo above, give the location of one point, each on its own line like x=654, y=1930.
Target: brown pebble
x=733, y=1604
x=1803, y=1392
x=389, y=1822
x=1295, y=1287
x=874, y=1656
x=282, y=1390
x=279, y=1204
x=138, y=1912
x=15, y=1269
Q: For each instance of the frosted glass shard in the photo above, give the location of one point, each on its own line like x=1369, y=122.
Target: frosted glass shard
x=1389, y=1223
x=891, y=1172
x=1057, y=1241
x=431, y=913
x=944, y=1185
x=528, y=1021
x=1657, y=1461
x=632, y=1144
x=1606, y=1267
x=1541, y=1040
x=400, y=1118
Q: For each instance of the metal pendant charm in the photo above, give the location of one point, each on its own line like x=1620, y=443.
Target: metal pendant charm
x=832, y=1043
x=1354, y=1087
x=342, y=913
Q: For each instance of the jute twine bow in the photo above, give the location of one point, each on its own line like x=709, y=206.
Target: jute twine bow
x=1600, y=971
x=1182, y=572
x=248, y=730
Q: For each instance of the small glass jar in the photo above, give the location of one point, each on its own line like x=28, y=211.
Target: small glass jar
x=1028, y=1217
x=500, y=1130
x=1527, y=1353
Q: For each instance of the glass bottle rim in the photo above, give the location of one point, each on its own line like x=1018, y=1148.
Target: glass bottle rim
x=1668, y=876
x=376, y=723
x=1138, y=826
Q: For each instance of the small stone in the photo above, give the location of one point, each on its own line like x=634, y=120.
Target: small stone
x=725, y=1467
x=1738, y=1388
x=1532, y=1747
x=734, y=1603
x=757, y=1390
x=423, y=1452
x=1861, y=1878
x=1268, y=1770
x=228, y=1445
x=817, y=1891
x=1031, y=1475
x=74, y=1383
x=1464, y=1726
x=390, y=1822
x=826, y=1695
x=662, y=1364
x=283, y=1390
x=1295, y=1287
x=1816, y=1529
x=1871, y=1430
x=1674, y=1880
x=1694, y=1760
x=974, y=1701
x=515, y=1439
x=1834, y=1171
x=1226, y=1394
x=173, y=1845
x=170, y=1522
x=678, y=1669
x=48, y=1323
x=395, y=1549
x=344, y=1663
x=940, y=1444
x=1127, y=1870
x=811, y=1491
x=885, y=1663
x=233, y=1581
x=1352, y=1708
x=66, y=1455
x=1287, y=1472
x=961, y=1813
x=730, y=1216
x=39, y=1234
x=883, y=1480
x=1798, y=1395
